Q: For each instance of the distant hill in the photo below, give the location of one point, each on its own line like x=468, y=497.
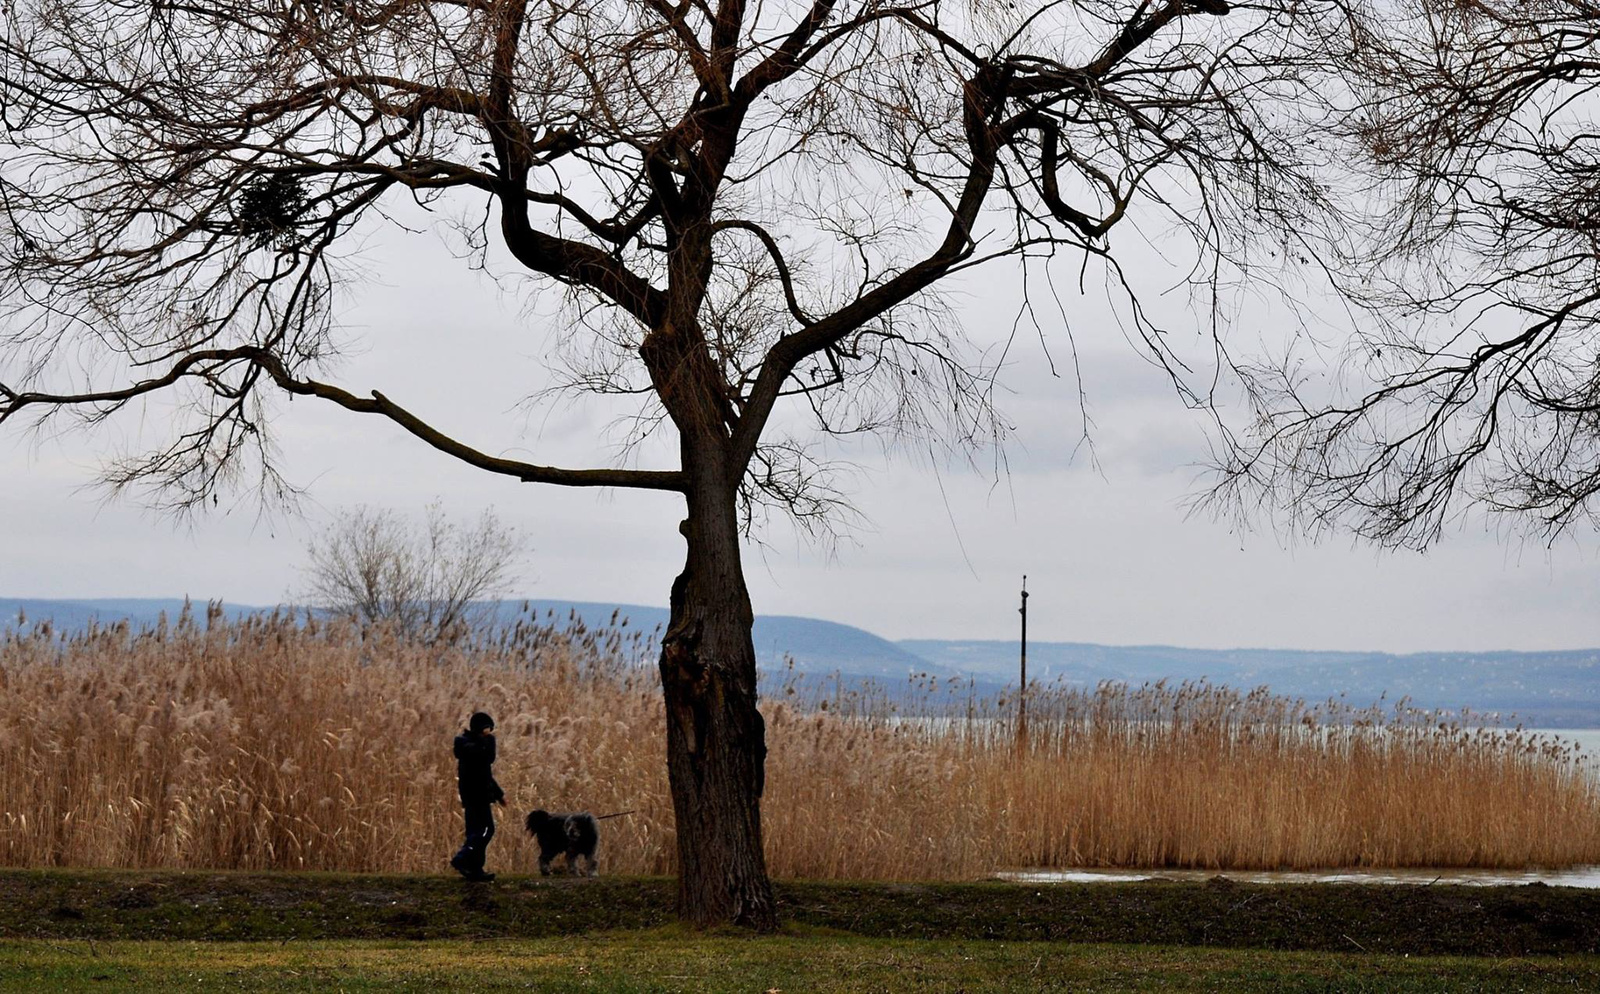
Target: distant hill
x=816, y=646
x=75, y=615
x=1548, y=689
x=1555, y=689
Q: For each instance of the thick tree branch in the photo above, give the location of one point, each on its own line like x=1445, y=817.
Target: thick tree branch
x=210, y=365
x=982, y=102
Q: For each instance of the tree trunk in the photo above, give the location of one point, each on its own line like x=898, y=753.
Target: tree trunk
x=716, y=739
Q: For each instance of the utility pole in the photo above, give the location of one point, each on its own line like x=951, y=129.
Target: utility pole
x=1022, y=690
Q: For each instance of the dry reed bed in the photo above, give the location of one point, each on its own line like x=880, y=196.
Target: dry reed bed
x=275, y=744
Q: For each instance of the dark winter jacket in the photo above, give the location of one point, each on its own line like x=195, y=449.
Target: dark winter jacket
x=474, y=757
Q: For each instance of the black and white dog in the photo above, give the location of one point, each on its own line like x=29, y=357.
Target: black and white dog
x=575, y=834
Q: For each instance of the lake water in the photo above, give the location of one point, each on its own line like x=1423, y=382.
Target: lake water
x=1580, y=876
x=1586, y=739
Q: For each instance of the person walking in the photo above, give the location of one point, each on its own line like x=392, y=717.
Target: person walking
x=479, y=793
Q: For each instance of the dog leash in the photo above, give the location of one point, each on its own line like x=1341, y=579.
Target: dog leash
x=615, y=814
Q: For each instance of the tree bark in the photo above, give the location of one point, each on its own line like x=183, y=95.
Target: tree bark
x=716, y=739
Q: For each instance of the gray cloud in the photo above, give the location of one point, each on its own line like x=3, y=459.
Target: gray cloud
x=1110, y=554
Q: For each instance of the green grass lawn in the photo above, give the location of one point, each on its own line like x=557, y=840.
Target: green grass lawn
x=670, y=960
x=153, y=930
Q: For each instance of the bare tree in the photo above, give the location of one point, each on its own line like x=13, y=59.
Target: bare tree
x=750, y=208
x=1475, y=378
x=380, y=567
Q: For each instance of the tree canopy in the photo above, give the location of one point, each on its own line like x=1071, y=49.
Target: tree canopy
x=1473, y=376
x=758, y=199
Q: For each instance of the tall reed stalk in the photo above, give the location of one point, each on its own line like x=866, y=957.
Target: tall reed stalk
x=283, y=743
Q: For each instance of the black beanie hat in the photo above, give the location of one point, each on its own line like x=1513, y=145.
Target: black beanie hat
x=480, y=721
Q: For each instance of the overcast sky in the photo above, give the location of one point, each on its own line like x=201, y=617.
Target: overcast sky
x=938, y=552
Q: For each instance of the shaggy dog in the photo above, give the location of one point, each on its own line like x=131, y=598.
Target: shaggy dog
x=574, y=834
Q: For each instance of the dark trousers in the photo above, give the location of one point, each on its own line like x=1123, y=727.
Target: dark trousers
x=480, y=829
